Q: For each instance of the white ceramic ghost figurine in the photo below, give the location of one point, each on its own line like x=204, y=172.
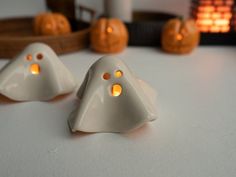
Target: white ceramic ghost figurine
x=112, y=99
x=35, y=74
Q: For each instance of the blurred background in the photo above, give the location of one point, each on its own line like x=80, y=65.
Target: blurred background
x=10, y=8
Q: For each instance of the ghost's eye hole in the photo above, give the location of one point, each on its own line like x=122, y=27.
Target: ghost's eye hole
x=39, y=56
x=116, y=90
x=29, y=57
x=106, y=76
x=118, y=74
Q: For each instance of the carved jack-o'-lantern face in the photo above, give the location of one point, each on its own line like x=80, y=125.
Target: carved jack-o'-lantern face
x=109, y=36
x=180, y=36
x=51, y=24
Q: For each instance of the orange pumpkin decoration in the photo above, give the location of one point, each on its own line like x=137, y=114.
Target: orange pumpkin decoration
x=180, y=36
x=51, y=24
x=109, y=36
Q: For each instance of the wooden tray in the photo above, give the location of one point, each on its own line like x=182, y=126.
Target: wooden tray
x=17, y=33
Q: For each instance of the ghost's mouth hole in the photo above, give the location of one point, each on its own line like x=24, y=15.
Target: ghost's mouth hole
x=35, y=69
x=116, y=90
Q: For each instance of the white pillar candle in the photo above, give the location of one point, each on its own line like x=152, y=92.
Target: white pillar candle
x=121, y=9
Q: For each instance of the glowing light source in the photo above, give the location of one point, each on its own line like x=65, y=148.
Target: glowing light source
x=227, y=15
x=225, y=29
x=35, y=69
x=203, y=15
x=215, y=29
x=109, y=29
x=213, y=15
x=116, y=90
x=206, y=8
x=216, y=15
x=118, y=74
x=179, y=37
x=29, y=57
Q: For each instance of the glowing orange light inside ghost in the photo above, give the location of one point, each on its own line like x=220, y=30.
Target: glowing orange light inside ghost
x=109, y=29
x=35, y=69
x=118, y=74
x=29, y=57
x=116, y=90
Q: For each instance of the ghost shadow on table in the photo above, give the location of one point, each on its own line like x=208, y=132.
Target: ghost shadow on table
x=5, y=101
x=140, y=132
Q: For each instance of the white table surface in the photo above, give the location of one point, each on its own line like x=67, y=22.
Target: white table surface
x=195, y=135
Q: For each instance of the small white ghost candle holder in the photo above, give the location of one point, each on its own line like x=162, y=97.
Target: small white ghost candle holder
x=36, y=74
x=112, y=99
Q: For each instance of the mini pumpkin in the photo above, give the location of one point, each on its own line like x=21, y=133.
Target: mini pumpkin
x=109, y=35
x=180, y=36
x=51, y=24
